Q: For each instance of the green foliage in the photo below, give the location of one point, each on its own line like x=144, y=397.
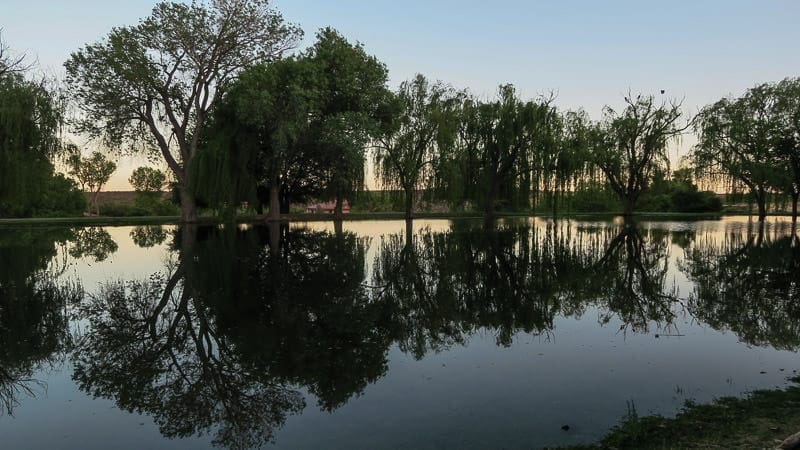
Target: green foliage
x=149, y=184
x=630, y=147
x=751, y=142
x=299, y=125
x=679, y=194
x=594, y=198
x=92, y=172
x=259, y=132
x=123, y=210
x=147, y=180
x=151, y=87
x=31, y=115
x=352, y=105
x=756, y=421
x=408, y=151
x=61, y=197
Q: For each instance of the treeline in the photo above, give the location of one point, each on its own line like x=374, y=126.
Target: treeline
x=213, y=91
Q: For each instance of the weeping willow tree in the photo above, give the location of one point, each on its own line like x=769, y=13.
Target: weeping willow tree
x=258, y=135
x=509, y=153
x=735, y=148
x=457, y=167
x=571, y=170
x=788, y=142
x=31, y=116
x=507, y=131
x=408, y=151
x=630, y=146
x=297, y=126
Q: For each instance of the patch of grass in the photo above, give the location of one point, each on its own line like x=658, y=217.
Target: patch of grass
x=761, y=420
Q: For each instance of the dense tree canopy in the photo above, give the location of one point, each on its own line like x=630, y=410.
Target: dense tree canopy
x=631, y=147
x=31, y=119
x=736, y=137
x=409, y=148
x=298, y=126
x=788, y=140
x=153, y=86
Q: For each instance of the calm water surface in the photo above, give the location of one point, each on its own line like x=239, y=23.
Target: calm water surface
x=445, y=334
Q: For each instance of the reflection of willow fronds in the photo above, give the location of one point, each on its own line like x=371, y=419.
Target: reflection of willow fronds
x=748, y=282
x=636, y=265
x=34, y=327
x=12, y=386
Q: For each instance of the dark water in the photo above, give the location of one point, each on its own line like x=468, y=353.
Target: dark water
x=375, y=335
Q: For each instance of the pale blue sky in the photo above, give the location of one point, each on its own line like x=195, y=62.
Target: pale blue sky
x=590, y=52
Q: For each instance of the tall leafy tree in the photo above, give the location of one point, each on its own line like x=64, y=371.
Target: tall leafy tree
x=407, y=152
x=260, y=135
x=92, y=172
x=459, y=164
x=788, y=139
x=153, y=86
x=736, y=144
x=353, y=98
x=630, y=147
x=298, y=126
x=507, y=129
x=31, y=117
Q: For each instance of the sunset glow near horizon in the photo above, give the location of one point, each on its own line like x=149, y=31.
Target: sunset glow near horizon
x=590, y=53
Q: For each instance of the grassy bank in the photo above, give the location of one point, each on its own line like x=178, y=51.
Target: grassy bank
x=761, y=420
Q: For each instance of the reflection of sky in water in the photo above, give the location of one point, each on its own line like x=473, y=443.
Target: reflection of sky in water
x=479, y=394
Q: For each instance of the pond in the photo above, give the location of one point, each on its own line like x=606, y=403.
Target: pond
x=375, y=334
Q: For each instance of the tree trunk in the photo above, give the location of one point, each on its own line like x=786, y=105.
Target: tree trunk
x=94, y=202
x=285, y=203
x=274, y=240
x=761, y=200
x=338, y=228
x=491, y=197
x=188, y=206
x=409, y=203
x=337, y=210
x=795, y=196
x=274, y=200
x=188, y=239
x=630, y=206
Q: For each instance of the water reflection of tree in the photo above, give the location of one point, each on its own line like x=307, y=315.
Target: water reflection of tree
x=516, y=277
x=630, y=279
x=227, y=337
x=34, y=330
x=92, y=242
x=749, y=283
x=146, y=236
x=301, y=312
x=222, y=341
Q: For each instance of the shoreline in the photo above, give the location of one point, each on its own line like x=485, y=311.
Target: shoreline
x=306, y=217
